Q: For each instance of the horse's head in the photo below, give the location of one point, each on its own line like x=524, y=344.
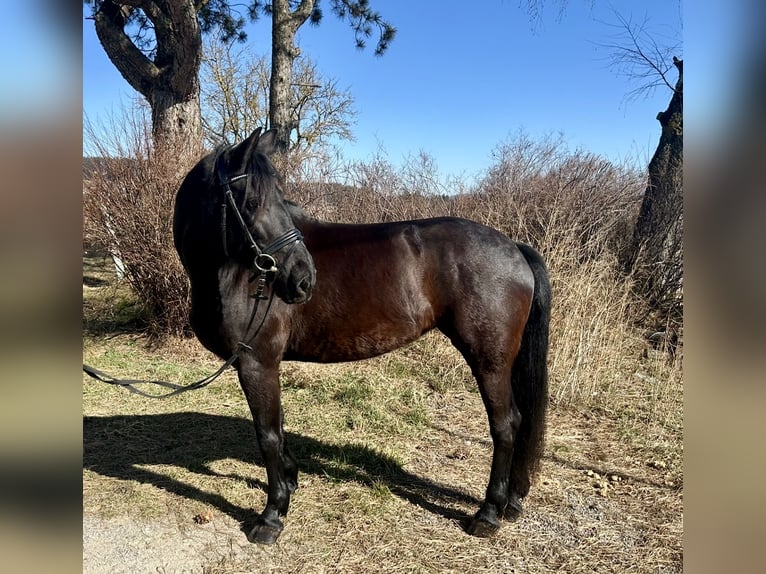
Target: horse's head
x=258, y=228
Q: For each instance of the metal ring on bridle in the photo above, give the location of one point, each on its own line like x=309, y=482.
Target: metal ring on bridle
x=265, y=263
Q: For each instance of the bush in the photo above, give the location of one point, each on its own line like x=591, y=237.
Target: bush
x=128, y=195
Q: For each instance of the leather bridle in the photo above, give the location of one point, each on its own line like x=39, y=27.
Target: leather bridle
x=264, y=261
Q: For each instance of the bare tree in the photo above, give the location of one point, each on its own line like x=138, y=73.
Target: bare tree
x=642, y=56
x=234, y=89
x=655, y=254
x=235, y=98
x=320, y=109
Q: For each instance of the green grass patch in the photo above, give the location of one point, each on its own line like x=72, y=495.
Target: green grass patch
x=109, y=307
x=354, y=392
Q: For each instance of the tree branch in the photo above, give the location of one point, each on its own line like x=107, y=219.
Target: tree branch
x=362, y=18
x=138, y=70
x=302, y=13
x=638, y=56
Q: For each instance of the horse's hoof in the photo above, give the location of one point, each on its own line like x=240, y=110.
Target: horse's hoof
x=482, y=527
x=264, y=534
x=513, y=510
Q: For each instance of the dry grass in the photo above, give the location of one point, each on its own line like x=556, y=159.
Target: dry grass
x=394, y=456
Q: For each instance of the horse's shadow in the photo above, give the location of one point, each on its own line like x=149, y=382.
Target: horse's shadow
x=122, y=446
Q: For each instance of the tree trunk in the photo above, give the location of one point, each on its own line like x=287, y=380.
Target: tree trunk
x=176, y=125
x=655, y=255
x=170, y=81
x=284, y=25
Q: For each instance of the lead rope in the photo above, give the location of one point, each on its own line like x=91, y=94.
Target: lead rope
x=130, y=384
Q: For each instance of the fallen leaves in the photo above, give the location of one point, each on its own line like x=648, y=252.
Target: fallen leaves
x=602, y=483
x=203, y=517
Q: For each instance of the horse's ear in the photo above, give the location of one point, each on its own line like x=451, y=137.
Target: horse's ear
x=267, y=144
x=240, y=153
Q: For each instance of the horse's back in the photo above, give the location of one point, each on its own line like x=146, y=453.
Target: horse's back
x=380, y=286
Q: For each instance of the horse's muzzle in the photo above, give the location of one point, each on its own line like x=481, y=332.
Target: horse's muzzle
x=300, y=285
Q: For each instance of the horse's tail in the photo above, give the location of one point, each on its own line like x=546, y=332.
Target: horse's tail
x=529, y=379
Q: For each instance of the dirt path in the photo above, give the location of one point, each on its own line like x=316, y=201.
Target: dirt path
x=162, y=545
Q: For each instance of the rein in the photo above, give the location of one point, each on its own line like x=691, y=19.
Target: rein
x=177, y=389
x=264, y=270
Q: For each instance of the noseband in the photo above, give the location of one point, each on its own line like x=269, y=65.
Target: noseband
x=264, y=261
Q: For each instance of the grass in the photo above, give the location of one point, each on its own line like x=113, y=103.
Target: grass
x=394, y=454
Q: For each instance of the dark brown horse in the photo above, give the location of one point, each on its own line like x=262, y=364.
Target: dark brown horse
x=346, y=292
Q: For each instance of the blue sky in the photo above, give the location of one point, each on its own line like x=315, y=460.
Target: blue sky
x=457, y=82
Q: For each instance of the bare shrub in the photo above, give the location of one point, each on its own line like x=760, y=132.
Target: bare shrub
x=128, y=195
x=370, y=191
x=541, y=193
x=593, y=345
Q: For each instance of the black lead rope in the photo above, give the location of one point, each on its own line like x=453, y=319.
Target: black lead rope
x=177, y=389
x=130, y=384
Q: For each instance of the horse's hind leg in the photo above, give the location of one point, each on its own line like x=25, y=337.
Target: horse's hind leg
x=261, y=388
x=504, y=420
x=518, y=488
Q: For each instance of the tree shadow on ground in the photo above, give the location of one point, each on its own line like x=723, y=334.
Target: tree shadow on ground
x=90, y=281
x=119, y=446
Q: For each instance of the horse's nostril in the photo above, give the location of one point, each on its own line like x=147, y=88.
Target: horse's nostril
x=304, y=286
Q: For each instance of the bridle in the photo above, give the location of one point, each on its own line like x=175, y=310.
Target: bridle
x=264, y=261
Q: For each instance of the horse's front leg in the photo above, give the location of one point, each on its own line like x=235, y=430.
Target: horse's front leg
x=261, y=387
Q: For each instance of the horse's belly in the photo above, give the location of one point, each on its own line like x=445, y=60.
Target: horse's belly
x=337, y=347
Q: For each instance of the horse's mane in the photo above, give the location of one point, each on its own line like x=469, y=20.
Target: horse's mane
x=296, y=211
x=263, y=173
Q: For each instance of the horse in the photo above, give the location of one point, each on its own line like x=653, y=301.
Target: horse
x=343, y=292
